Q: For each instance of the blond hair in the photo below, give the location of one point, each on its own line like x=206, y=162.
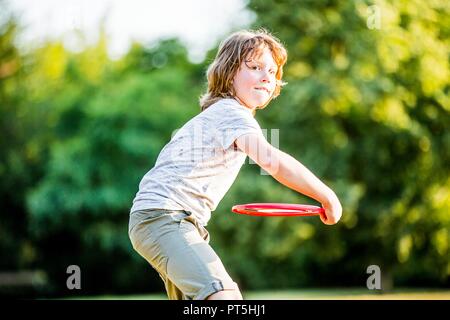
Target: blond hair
x=232, y=51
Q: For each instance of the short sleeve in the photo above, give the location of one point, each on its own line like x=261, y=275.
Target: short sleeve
x=235, y=122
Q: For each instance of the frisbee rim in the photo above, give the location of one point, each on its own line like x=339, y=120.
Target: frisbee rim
x=295, y=209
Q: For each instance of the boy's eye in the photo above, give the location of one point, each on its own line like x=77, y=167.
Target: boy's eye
x=253, y=66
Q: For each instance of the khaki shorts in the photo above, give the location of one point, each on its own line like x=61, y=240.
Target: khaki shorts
x=177, y=247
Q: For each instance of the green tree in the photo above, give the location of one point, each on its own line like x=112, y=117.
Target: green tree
x=368, y=111
x=110, y=127
x=18, y=158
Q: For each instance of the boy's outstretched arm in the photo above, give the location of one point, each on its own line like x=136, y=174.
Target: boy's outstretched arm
x=291, y=173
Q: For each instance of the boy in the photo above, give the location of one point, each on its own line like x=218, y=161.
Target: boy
x=198, y=166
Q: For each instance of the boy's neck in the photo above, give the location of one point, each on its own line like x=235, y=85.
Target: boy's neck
x=244, y=105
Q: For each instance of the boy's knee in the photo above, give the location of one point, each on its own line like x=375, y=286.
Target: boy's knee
x=226, y=295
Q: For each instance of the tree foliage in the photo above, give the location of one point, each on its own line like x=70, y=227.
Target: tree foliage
x=367, y=110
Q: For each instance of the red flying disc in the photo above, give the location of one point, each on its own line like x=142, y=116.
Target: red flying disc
x=278, y=209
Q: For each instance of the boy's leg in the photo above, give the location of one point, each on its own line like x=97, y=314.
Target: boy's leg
x=137, y=238
x=176, y=247
x=173, y=293
x=194, y=266
x=226, y=295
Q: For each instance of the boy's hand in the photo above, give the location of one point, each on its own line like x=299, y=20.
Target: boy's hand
x=333, y=210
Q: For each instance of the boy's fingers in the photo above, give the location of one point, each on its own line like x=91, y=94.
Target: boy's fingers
x=323, y=217
x=327, y=221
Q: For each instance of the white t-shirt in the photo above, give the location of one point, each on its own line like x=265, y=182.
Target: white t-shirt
x=196, y=168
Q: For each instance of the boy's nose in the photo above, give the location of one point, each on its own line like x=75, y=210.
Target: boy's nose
x=265, y=78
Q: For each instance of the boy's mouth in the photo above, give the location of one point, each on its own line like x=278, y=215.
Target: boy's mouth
x=262, y=89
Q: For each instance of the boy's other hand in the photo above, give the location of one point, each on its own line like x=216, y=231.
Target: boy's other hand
x=333, y=210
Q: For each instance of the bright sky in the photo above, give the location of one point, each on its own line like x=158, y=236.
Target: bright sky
x=199, y=24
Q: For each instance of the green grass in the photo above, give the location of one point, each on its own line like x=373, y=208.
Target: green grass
x=311, y=294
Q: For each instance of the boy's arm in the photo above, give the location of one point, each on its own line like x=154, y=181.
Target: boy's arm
x=291, y=173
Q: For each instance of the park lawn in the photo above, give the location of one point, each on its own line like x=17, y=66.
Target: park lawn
x=311, y=294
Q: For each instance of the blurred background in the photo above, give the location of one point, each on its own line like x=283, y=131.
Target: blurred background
x=90, y=91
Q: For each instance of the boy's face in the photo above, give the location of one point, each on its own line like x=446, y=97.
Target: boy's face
x=255, y=81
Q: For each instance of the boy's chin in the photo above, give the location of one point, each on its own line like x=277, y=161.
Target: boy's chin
x=260, y=103
x=255, y=103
